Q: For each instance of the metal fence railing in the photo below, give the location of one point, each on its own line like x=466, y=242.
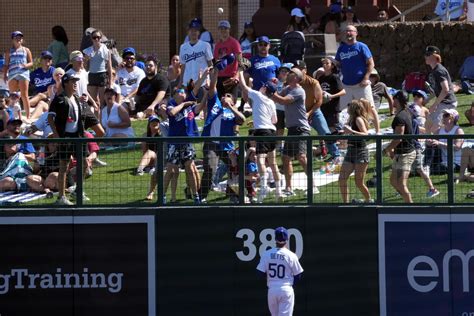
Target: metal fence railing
x=118, y=172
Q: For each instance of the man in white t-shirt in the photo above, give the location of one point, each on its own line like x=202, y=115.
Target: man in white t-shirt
x=264, y=120
x=76, y=59
x=129, y=78
x=195, y=55
x=282, y=269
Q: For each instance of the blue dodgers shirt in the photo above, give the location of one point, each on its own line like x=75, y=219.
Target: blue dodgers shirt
x=183, y=123
x=353, y=59
x=42, y=80
x=220, y=121
x=263, y=69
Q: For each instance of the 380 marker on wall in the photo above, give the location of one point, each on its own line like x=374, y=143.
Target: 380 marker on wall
x=266, y=240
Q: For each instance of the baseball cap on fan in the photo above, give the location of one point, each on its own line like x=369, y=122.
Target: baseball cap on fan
x=224, y=24
x=281, y=234
x=297, y=12
x=430, y=50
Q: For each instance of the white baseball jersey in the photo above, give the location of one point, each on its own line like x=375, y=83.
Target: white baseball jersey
x=129, y=81
x=195, y=57
x=280, y=265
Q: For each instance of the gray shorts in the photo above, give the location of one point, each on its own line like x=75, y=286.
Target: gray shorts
x=357, y=155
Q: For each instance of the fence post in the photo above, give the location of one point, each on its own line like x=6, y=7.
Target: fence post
x=309, y=167
x=79, y=170
x=450, y=171
x=241, y=163
x=160, y=168
x=379, y=169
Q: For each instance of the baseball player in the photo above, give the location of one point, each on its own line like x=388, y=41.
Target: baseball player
x=282, y=269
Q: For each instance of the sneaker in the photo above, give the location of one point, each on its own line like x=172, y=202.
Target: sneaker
x=49, y=195
x=139, y=172
x=197, y=200
x=358, y=201
x=432, y=193
x=288, y=193
x=152, y=171
x=234, y=199
x=63, y=201
x=252, y=200
x=203, y=201
x=262, y=194
x=85, y=198
x=88, y=172
x=99, y=163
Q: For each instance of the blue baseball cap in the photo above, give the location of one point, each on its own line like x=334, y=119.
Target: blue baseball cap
x=140, y=64
x=224, y=24
x=153, y=118
x=17, y=33
x=46, y=54
x=281, y=234
x=420, y=93
x=335, y=8
x=271, y=87
x=128, y=51
x=195, y=23
x=263, y=39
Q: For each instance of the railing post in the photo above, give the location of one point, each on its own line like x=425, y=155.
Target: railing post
x=160, y=168
x=450, y=171
x=379, y=169
x=241, y=163
x=309, y=167
x=79, y=170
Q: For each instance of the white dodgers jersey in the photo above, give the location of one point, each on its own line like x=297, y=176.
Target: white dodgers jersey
x=280, y=265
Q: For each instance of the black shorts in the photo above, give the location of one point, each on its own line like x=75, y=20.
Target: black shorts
x=281, y=119
x=266, y=146
x=68, y=149
x=293, y=149
x=358, y=154
x=98, y=79
x=178, y=154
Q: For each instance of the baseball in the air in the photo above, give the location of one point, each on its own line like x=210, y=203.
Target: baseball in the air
x=220, y=10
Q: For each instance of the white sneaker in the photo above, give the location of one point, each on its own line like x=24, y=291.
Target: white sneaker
x=85, y=198
x=99, y=163
x=63, y=201
x=315, y=190
x=262, y=194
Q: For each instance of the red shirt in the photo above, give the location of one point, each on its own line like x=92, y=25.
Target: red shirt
x=230, y=45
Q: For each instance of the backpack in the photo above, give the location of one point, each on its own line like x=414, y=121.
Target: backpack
x=414, y=81
x=292, y=46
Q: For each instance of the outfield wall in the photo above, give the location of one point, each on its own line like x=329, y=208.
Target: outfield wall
x=201, y=261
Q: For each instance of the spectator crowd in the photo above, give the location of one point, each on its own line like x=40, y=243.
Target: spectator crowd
x=96, y=91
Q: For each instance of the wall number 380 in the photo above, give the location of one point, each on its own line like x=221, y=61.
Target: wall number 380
x=267, y=241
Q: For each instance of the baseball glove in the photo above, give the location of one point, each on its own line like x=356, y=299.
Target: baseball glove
x=244, y=63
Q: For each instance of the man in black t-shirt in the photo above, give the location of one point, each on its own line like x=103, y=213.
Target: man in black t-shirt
x=153, y=89
x=402, y=151
x=441, y=83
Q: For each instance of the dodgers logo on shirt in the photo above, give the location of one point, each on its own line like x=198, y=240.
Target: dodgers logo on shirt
x=194, y=56
x=425, y=264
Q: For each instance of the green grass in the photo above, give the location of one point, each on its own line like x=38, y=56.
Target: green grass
x=115, y=184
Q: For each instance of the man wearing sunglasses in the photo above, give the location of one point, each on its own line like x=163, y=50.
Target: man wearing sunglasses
x=152, y=90
x=129, y=77
x=264, y=66
x=440, y=81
